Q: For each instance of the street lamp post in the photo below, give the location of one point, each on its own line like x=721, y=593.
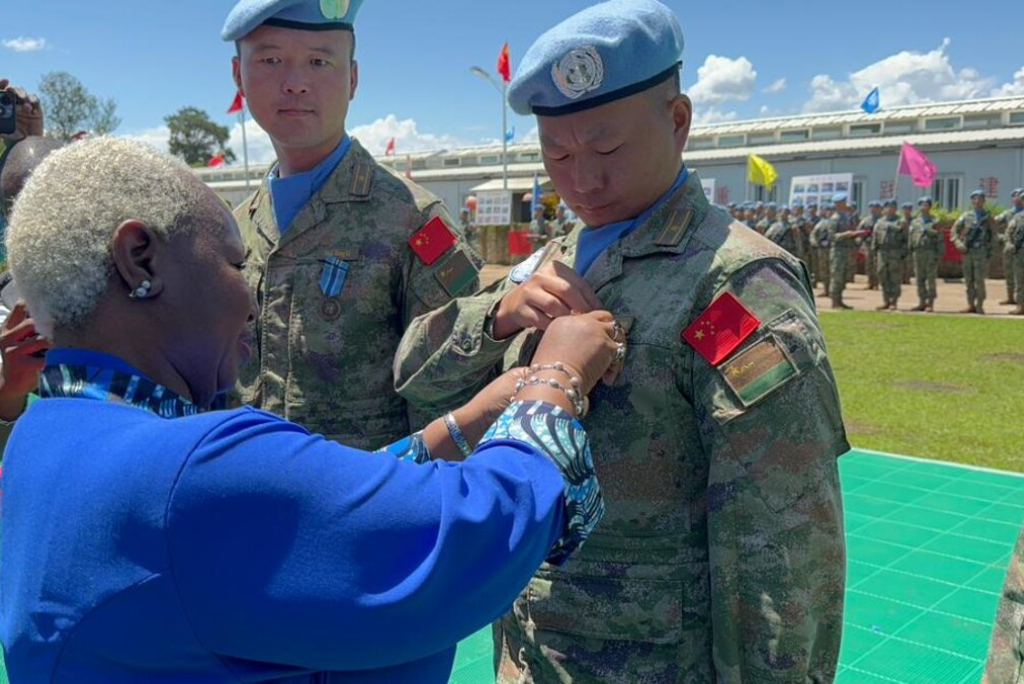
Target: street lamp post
x=502, y=89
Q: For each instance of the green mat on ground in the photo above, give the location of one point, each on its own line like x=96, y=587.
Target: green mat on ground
x=928, y=545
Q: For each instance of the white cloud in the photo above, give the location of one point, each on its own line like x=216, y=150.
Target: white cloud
x=904, y=78
x=776, y=87
x=721, y=79
x=157, y=137
x=1010, y=89
x=261, y=150
x=710, y=115
x=375, y=137
x=23, y=44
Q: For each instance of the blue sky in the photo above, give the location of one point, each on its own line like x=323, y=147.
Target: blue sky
x=742, y=59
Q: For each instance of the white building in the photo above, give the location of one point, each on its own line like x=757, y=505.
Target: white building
x=974, y=144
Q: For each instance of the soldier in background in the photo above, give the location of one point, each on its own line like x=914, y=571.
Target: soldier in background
x=1003, y=221
x=842, y=234
x=927, y=247
x=867, y=226
x=906, y=218
x=821, y=243
x=540, y=229
x=785, y=234
x=890, y=246
x=562, y=225
x=972, y=235
x=769, y=218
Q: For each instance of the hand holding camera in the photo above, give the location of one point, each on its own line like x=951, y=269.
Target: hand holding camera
x=21, y=114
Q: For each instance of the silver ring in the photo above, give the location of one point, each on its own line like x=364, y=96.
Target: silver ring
x=616, y=331
x=620, y=353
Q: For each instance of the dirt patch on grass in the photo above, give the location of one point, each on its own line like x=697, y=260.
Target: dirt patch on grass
x=855, y=427
x=1012, y=357
x=926, y=386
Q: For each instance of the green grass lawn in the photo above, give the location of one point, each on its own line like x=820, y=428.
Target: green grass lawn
x=943, y=387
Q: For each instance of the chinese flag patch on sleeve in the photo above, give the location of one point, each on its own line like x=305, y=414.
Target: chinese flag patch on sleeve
x=721, y=328
x=432, y=240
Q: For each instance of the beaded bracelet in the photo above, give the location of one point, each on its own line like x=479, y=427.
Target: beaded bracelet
x=456, y=434
x=580, y=402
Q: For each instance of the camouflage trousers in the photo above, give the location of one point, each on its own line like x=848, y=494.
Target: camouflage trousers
x=824, y=271
x=1012, y=280
x=839, y=265
x=908, y=268
x=926, y=273
x=871, y=267
x=975, y=263
x=890, y=276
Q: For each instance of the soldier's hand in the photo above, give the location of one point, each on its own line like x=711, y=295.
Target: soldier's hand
x=29, y=112
x=553, y=291
x=586, y=345
x=20, y=346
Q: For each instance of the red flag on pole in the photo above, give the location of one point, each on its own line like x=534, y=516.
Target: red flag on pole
x=216, y=160
x=505, y=64
x=919, y=167
x=238, y=103
x=390, y=148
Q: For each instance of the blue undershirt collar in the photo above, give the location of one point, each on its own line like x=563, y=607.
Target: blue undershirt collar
x=289, y=195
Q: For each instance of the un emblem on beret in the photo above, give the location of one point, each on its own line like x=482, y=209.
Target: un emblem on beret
x=578, y=72
x=334, y=9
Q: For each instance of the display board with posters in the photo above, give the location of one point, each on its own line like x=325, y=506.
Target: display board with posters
x=709, y=188
x=820, y=188
x=494, y=208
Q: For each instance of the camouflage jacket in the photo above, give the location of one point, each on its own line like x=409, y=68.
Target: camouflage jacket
x=1007, y=220
x=926, y=238
x=867, y=223
x=787, y=236
x=971, y=234
x=1006, y=651
x=336, y=292
x=722, y=541
x=890, y=238
x=1015, y=233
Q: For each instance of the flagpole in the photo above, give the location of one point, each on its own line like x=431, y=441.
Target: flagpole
x=896, y=185
x=504, y=134
x=245, y=148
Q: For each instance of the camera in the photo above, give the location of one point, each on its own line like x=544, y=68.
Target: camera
x=8, y=112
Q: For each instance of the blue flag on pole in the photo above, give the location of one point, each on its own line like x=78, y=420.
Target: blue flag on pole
x=872, y=102
x=510, y=134
x=535, y=202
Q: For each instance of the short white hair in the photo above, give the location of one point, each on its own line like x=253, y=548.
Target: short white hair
x=60, y=239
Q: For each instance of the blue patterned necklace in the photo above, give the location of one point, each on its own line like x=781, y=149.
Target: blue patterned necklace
x=107, y=384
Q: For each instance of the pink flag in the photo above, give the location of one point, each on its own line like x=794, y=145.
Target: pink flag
x=915, y=164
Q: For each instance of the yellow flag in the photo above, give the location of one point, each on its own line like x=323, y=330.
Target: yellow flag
x=760, y=172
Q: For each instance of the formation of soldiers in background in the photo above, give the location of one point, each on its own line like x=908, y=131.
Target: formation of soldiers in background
x=895, y=243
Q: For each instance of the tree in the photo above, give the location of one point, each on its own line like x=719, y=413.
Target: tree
x=70, y=107
x=196, y=138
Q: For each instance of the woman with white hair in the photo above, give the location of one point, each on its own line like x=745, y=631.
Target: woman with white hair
x=146, y=539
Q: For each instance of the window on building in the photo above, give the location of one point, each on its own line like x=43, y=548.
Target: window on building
x=832, y=133
x=946, y=123
x=794, y=136
x=860, y=130
x=987, y=121
x=449, y=162
x=529, y=157
x=1017, y=117
x=419, y=164
x=700, y=143
x=761, y=138
x=759, y=193
x=858, y=196
x=732, y=140
x=400, y=165
x=489, y=159
x=897, y=127
x=946, y=192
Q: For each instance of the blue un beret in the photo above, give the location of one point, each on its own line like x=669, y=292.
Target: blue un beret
x=839, y=197
x=602, y=54
x=874, y=204
x=977, y=193
x=305, y=15
x=910, y=205
x=1017, y=192
x=924, y=200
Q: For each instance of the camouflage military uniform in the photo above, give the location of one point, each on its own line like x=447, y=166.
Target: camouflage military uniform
x=1015, y=240
x=972, y=236
x=1006, y=651
x=787, y=236
x=821, y=243
x=562, y=227
x=1004, y=220
x=889, y=244
x=870, y=262
x=326, y=360
x=927, y=247
x=841, y=236
x=721, y=556
x=764, y=224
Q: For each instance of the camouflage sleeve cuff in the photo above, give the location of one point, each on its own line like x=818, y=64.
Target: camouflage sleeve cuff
x=411, y=448
x=562, y=439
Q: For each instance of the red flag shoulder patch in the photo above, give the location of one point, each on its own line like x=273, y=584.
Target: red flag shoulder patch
x=432, y=240
x=721, y=328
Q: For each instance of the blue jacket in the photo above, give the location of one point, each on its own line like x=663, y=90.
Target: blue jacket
x=235, y=546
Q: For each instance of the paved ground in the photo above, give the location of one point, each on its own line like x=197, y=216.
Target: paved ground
x=951, y=295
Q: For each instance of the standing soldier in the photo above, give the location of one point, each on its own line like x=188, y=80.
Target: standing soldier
x=749, y=216
x=927, y=248
x=343, y=253
x=1015, y=238
x=799, y=221
x=867, y=226
x=842, y=240
x=906, y=219
x=562, y=226
x=811, y=219
x=540, y=229
x=1003, y=220
x=785, y=233
x=890, y=246
x=972, y=236
x=770, y=216
x=721, y=555
x=821, y=243
x=468, y=228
